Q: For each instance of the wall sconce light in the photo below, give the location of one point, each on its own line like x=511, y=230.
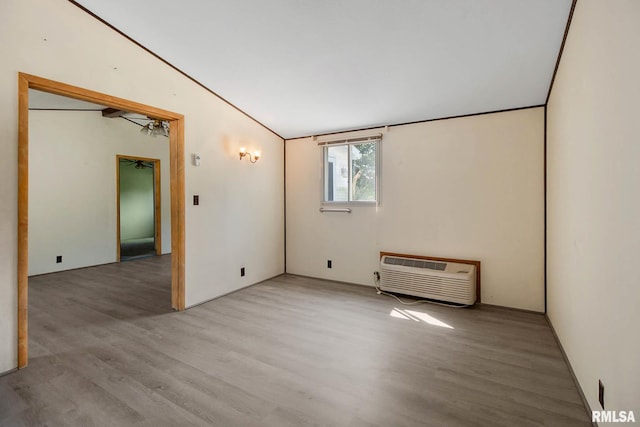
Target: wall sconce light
x=244, y=152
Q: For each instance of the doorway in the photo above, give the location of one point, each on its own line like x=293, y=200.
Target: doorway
x=138, y=207
x=176, y=156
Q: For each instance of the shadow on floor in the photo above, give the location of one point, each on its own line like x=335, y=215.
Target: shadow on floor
x=137, y=249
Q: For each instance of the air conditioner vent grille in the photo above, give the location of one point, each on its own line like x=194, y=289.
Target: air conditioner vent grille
x=444, y=281
x=416, y=263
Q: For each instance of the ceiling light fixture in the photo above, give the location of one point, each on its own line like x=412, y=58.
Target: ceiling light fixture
x=256, y=155
x=156, y=127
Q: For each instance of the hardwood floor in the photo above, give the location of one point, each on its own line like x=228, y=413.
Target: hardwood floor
x=137, y=248
x=107, y=350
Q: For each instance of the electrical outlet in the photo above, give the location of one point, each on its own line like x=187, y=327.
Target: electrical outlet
x=196, y=200
x=242, y=272
x=601, y=393
x=58, y=259
x=329, y=264
x=376, y=275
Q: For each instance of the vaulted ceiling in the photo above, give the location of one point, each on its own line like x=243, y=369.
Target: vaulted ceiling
x=307, y=67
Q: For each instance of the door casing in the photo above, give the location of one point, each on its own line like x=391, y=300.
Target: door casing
x=157, y=205
x=176, y=156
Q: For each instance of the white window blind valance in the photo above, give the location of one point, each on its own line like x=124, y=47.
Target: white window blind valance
x=352, y=140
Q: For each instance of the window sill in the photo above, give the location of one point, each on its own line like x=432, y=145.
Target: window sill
x=348, y=204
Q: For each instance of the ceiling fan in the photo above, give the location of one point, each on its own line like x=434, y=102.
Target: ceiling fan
x=156, y=127
x=153, y=128
x=138, y=164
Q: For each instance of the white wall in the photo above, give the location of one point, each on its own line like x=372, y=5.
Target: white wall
x=594, y=202
x=240, y=217
x=72, y=186
x=468, y=188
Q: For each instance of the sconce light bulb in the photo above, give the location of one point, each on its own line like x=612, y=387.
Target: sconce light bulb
x=257, y=155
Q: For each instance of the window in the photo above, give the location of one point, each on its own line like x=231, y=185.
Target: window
x=351, y=171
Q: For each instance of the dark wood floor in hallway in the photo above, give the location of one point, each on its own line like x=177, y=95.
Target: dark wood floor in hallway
x=106, y=350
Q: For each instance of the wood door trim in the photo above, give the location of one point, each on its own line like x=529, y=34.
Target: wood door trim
x=433, y=258
x=176, y=159
x=23, y=220
x=157, y=194
x=176, y=154
x=157, y=202
x=118, y=237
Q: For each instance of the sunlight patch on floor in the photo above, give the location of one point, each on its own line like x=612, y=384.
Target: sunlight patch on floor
x=418, y=316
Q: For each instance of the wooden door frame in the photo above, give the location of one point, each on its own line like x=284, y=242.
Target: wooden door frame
x=176, y=155
x=157, y=205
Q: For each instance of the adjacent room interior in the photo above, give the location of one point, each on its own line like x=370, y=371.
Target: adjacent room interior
x=251, y=249
x=97, y=185
x=138, y=203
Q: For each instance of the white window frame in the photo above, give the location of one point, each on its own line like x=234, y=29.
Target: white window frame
x=349, y=142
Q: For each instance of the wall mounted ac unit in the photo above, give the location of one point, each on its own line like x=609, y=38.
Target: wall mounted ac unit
x=437, y=280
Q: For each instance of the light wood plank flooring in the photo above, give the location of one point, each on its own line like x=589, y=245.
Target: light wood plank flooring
x=292, y=351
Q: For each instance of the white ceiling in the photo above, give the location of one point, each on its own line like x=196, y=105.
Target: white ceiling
x=304, y=67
